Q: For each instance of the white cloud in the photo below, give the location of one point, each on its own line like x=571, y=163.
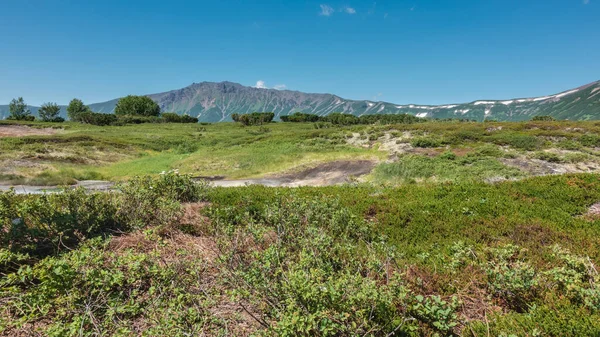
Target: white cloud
x=349, y=10
x=280, y=87
x=326, y=10
x=585, y=2
x=260, y=84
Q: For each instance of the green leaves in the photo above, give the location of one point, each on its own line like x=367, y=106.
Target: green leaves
x=48, y=112
x=137, y=105
x=76, y=108
x=18, y=110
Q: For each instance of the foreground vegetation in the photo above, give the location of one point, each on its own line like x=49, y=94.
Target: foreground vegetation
x=167, y=256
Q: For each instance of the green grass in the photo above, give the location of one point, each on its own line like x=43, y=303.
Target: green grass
x=226, y=149
x=414, y=168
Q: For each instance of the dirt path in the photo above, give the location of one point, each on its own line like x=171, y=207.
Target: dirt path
x=326, y=174
x=23, y=130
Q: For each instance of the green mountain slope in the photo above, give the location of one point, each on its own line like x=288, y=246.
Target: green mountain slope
x=214, y=102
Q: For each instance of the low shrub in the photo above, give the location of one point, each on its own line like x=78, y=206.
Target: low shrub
x=171, y=117
x=543, y=118
x=548, y=156
x=590, y=140
x=511, y=278
x=426, y=142
x=96, y=118
x=255, y=118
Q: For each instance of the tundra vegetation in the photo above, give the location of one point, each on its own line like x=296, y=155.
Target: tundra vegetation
x=462, y=228
x=167, y=255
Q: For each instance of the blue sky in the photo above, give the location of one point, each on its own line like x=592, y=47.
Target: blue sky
x=417, y=51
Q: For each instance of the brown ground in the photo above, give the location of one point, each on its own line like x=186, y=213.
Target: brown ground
x=22, y=130
x=332, y=173
x=538, y=167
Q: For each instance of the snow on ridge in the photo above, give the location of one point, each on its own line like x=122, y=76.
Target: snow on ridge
x=447, y=106
x=463, y=111
x=422, y=114
x=507, y=102
x=484, y=102
x=488, y=111
x=370, y=104
x=566, y=93
x=537, y=99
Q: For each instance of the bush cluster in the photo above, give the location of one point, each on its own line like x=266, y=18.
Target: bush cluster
x=48, y=223
x=96, y=118
x=255, y=118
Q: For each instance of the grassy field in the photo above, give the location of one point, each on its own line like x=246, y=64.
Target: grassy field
x=470, y=229
x=78, y=151
x=431, y=151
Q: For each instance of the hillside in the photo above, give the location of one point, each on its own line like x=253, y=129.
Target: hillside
x=214, y=102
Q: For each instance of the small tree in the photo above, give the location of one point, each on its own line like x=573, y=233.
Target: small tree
x=49, y=112
x=76, y=108
x=137, y=105
x=18, y=109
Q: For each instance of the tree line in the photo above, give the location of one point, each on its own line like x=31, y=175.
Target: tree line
x=348, y=119
x=129, y=110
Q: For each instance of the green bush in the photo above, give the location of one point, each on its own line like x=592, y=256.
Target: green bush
x=137, y=119
x=171, y=117
x=299, y=117
x=511, y=278
x=590, y=140
x=255, y=118
x=137, y=105
x=96, y=118
x=425, y=142
x=548, y=156
x=543, y=118
x=518, y=141
x=48, y=223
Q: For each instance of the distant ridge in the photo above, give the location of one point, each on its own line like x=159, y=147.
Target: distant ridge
x=214, y=102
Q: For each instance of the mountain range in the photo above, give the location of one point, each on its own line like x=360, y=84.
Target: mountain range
x=215, y=102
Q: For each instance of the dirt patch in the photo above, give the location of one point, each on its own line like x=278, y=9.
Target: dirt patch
x=539, y=167
x=392, y=142
x=197, y=247
x=463, y=151
x=593, y=212
x=356, y=140
x=396, y=145
x=23, y=130
x=332, y=173
x=341, y=169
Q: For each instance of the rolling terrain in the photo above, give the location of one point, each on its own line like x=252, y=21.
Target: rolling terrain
x=215, y=102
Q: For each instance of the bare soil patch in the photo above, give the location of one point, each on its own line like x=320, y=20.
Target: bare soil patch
x=539, y=167
x=326, y=174
x=593, y=212
x=23, y=130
